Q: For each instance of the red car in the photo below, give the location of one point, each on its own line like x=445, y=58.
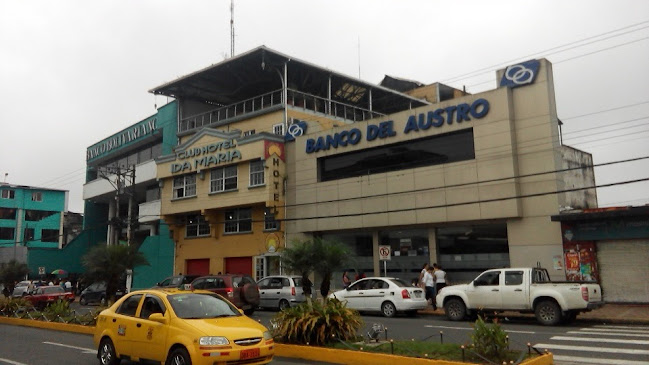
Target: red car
x=241, y=290
x=42, y=296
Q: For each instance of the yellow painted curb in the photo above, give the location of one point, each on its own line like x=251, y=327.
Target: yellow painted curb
x=77, y=328
x=337, y=356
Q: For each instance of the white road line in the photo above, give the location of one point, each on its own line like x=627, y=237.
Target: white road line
x=606, y=340
x=10, y=362
x=83, y=349
x=627, y=327
x=471, y=329
x=590, y=360
x=606, y=334
x=591, y=349
x=611, y=330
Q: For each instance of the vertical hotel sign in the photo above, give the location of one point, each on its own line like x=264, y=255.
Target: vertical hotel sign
x=274, y=156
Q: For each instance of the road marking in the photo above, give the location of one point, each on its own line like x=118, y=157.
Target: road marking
x=611, y=330
x=607, y=340
x=591, y=349
x=590, y=333
x=627, y=327
x=590, y=360
x=82, y=349
x=471, y=329
x=11, y=362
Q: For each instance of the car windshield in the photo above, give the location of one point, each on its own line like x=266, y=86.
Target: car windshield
x=198, y=306
x=400, y=283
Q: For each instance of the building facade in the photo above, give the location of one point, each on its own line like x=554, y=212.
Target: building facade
x=273, y=149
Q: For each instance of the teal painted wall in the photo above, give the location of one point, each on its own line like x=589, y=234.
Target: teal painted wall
x=168, y=117
x=159, y=251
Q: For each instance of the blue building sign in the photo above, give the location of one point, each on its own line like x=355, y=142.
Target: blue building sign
x=520, y=74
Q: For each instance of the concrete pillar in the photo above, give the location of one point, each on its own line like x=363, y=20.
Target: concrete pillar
x=111, y=215
x=375, y=253
x=432, y=245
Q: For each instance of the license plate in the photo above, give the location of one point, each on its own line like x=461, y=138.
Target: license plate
x=249, y=354
x=417, y=294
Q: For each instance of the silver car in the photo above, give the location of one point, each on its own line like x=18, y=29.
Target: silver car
x=280, y=291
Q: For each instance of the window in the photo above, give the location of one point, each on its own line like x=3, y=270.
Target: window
x=37, y=196
x=238, y=220
x=29, y=234
x=249, y=133
x=37, y=215
x=184, y=186
x=8, y=194
x=152, y=194
x=270, y=223
x=257, y=173
x=6, y=233
x=223, y=179
x=513, y=277
x=197, y=226
x=7, y=213
x=278, y=129
x=490, y=278
x=151, y=304
x=440, y=149
x=50, y=235
x=129, y=306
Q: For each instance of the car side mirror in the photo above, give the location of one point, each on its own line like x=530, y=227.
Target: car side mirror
x=240, y=310
x=158, y=317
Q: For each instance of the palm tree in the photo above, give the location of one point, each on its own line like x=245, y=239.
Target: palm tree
x=331, y=256
x=109, y=264
x=299, y=258
x=11, y=272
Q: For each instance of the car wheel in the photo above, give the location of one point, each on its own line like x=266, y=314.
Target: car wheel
x=102, y=301
x=548, y=313
x=283, y=304
x=249, y=311
x=82, y=300
x=388, y=309
x=455, y=309
x=178, y=356
x=106, y=353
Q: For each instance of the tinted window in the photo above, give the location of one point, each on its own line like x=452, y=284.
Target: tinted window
x=129, y=306
x=439, y=149
x=297, y=281
x=151, y=304
x=193, y=306
x=400, y=283
x=264, y=284
x=513, y=277
x=488, y=278
x=53, y=289
x=360, y=285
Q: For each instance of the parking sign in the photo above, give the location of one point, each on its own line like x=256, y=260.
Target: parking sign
x=384, y=253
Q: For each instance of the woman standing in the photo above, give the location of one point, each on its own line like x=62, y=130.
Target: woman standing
x=440, y=278
x=346, y=280
x=429, y=287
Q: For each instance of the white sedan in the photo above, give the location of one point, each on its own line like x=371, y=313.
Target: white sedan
x=385, y=295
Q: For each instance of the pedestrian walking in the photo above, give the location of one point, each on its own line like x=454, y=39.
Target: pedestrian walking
x=429, y=287
x=440, y=278
x=420, y=281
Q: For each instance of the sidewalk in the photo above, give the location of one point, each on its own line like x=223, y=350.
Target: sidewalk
x=609, y=313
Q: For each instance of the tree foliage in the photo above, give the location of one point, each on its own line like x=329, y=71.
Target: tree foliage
x=109, y=264
x=298, y=258
x=11, y=272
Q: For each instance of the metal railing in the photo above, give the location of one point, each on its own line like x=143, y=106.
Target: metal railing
x=296, y=99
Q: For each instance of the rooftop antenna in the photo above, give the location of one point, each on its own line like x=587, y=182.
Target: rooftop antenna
x=6, y=174
x=231, y=28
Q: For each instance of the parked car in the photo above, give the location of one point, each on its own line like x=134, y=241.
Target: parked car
x=280, y=291
x=22, y=288
x=43, y=296
x=96, y=293
x=385, y=295
x=524, y=290
x=172, y=326
x=240, y=289
x=176, y=281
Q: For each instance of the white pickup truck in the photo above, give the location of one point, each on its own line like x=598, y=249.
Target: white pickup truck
x=526, y=290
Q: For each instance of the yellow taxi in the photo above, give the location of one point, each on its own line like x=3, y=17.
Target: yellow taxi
x=178, y=327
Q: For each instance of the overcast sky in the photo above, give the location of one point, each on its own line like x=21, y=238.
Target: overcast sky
x=75, y=72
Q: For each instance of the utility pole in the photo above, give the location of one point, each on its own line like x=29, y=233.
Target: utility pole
x=123, y=178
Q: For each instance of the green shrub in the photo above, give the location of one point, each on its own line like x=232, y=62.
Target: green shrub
x=59, y=308
x=317, y=324
x=8, y=306
x=489, y=341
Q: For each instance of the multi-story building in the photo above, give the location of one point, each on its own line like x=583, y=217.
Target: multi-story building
x=272, y=149
x=30, y=217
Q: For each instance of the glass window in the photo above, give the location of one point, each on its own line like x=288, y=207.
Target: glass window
x=264, y=283
x=37, y=196
x=8, y=194
x=7, y=213
x=278, y=129
x=29, y=234
x=50, y=235
x=153, y=194
x=37, y=215
x=129, y=306
x=513, y=277
x=184, y=186
x=257, y=173
x=223, y=179
x=197, y=226
x=490, y=278
x=6, y=233
x=144, y=155
x=439, y=149
x=156, y=150
x=270, y=223
x=151, y=304
x=238, y=220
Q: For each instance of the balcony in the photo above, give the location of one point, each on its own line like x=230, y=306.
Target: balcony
x=296, y=100
x=144, y=173
x=149, y=211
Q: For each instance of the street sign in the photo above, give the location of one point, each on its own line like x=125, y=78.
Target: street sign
x=41, y=270
x=384, y=253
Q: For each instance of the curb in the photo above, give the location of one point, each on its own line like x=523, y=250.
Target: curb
x=603, y=320
x=314, y=353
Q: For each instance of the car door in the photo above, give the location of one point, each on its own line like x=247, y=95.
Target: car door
x=149, y=337
x=264, y=285
x=355, y=294
x=274, y=291
x=484, y=292
x=123, y=325
x=375, y=293
x=515, y=293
